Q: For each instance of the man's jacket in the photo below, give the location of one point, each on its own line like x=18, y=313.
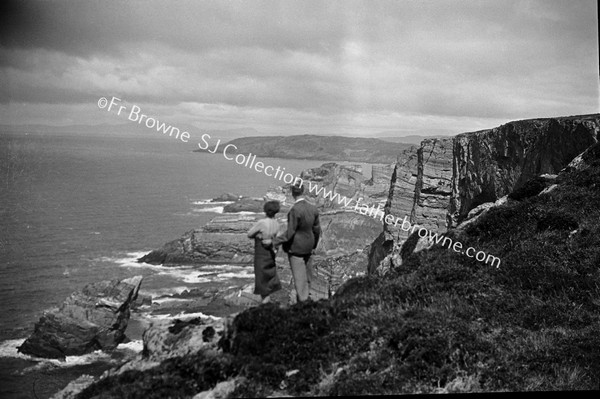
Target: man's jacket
x=303, y=229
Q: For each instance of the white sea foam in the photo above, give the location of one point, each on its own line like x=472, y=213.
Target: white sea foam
x=243, y=274
x=215, y=209
x=134, y=346
x=160, y=301
x=130, y=260
x=189, y=276
x=9, y=349
x=225, y=267
x=211, y=202
x=208, y=274
x=156, y=293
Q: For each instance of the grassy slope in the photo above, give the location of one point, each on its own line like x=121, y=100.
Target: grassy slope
x=441, y=322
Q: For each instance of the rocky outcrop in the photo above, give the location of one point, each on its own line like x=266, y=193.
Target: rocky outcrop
x=166, y=339
x=224, y=239
x=90, y=319
x=440, y=182
x=419, y=190
x=163, y=340
x=583, y=161
x=434, y=184
x=347, y=181
x=346, y=232
x=420, y=187
x=245, y=205
x=492, y=163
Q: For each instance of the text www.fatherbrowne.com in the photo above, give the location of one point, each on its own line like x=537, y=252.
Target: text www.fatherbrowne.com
x=249, y=161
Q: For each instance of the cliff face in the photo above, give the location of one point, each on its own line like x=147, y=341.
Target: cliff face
x=492, y=163
x=433, y=187
x=437, y=184
x=402, y=189
x=420, y=187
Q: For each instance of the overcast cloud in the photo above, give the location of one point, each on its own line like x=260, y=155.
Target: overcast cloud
x=294, y=67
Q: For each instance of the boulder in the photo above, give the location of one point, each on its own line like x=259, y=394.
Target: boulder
x=166, y=338
x=245, y=205
x=90, y=319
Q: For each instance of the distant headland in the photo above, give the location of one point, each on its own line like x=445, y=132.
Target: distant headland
x=331, y=148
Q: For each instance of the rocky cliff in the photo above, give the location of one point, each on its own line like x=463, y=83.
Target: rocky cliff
x=348, y=181
x=420, y=186
x=492, y=163
x=419, y=190
x=437, y=184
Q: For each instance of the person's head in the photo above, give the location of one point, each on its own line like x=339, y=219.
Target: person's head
x=271, y=208
x=297, y=190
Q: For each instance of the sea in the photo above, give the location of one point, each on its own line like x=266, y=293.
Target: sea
x=81, y=208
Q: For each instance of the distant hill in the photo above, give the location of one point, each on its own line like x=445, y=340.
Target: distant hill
x=413, y=139
x=327, y=148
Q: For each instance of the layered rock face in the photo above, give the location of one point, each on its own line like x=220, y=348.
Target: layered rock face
x=433, y=186
x=492, y=163
x=94, y=318
x=347, y=181
x=420, y=187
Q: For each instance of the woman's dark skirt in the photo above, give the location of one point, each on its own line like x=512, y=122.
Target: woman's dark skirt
x=265, y=270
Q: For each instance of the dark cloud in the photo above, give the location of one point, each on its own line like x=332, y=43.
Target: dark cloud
x=306, y=61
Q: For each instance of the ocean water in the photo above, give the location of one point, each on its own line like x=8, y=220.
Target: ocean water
x=76, y=209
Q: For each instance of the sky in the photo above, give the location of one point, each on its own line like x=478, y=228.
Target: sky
x=359, y=68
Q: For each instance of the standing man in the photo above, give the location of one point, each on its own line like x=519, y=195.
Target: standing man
x=300, y=240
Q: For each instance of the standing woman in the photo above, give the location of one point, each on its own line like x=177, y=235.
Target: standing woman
x=265, y=271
